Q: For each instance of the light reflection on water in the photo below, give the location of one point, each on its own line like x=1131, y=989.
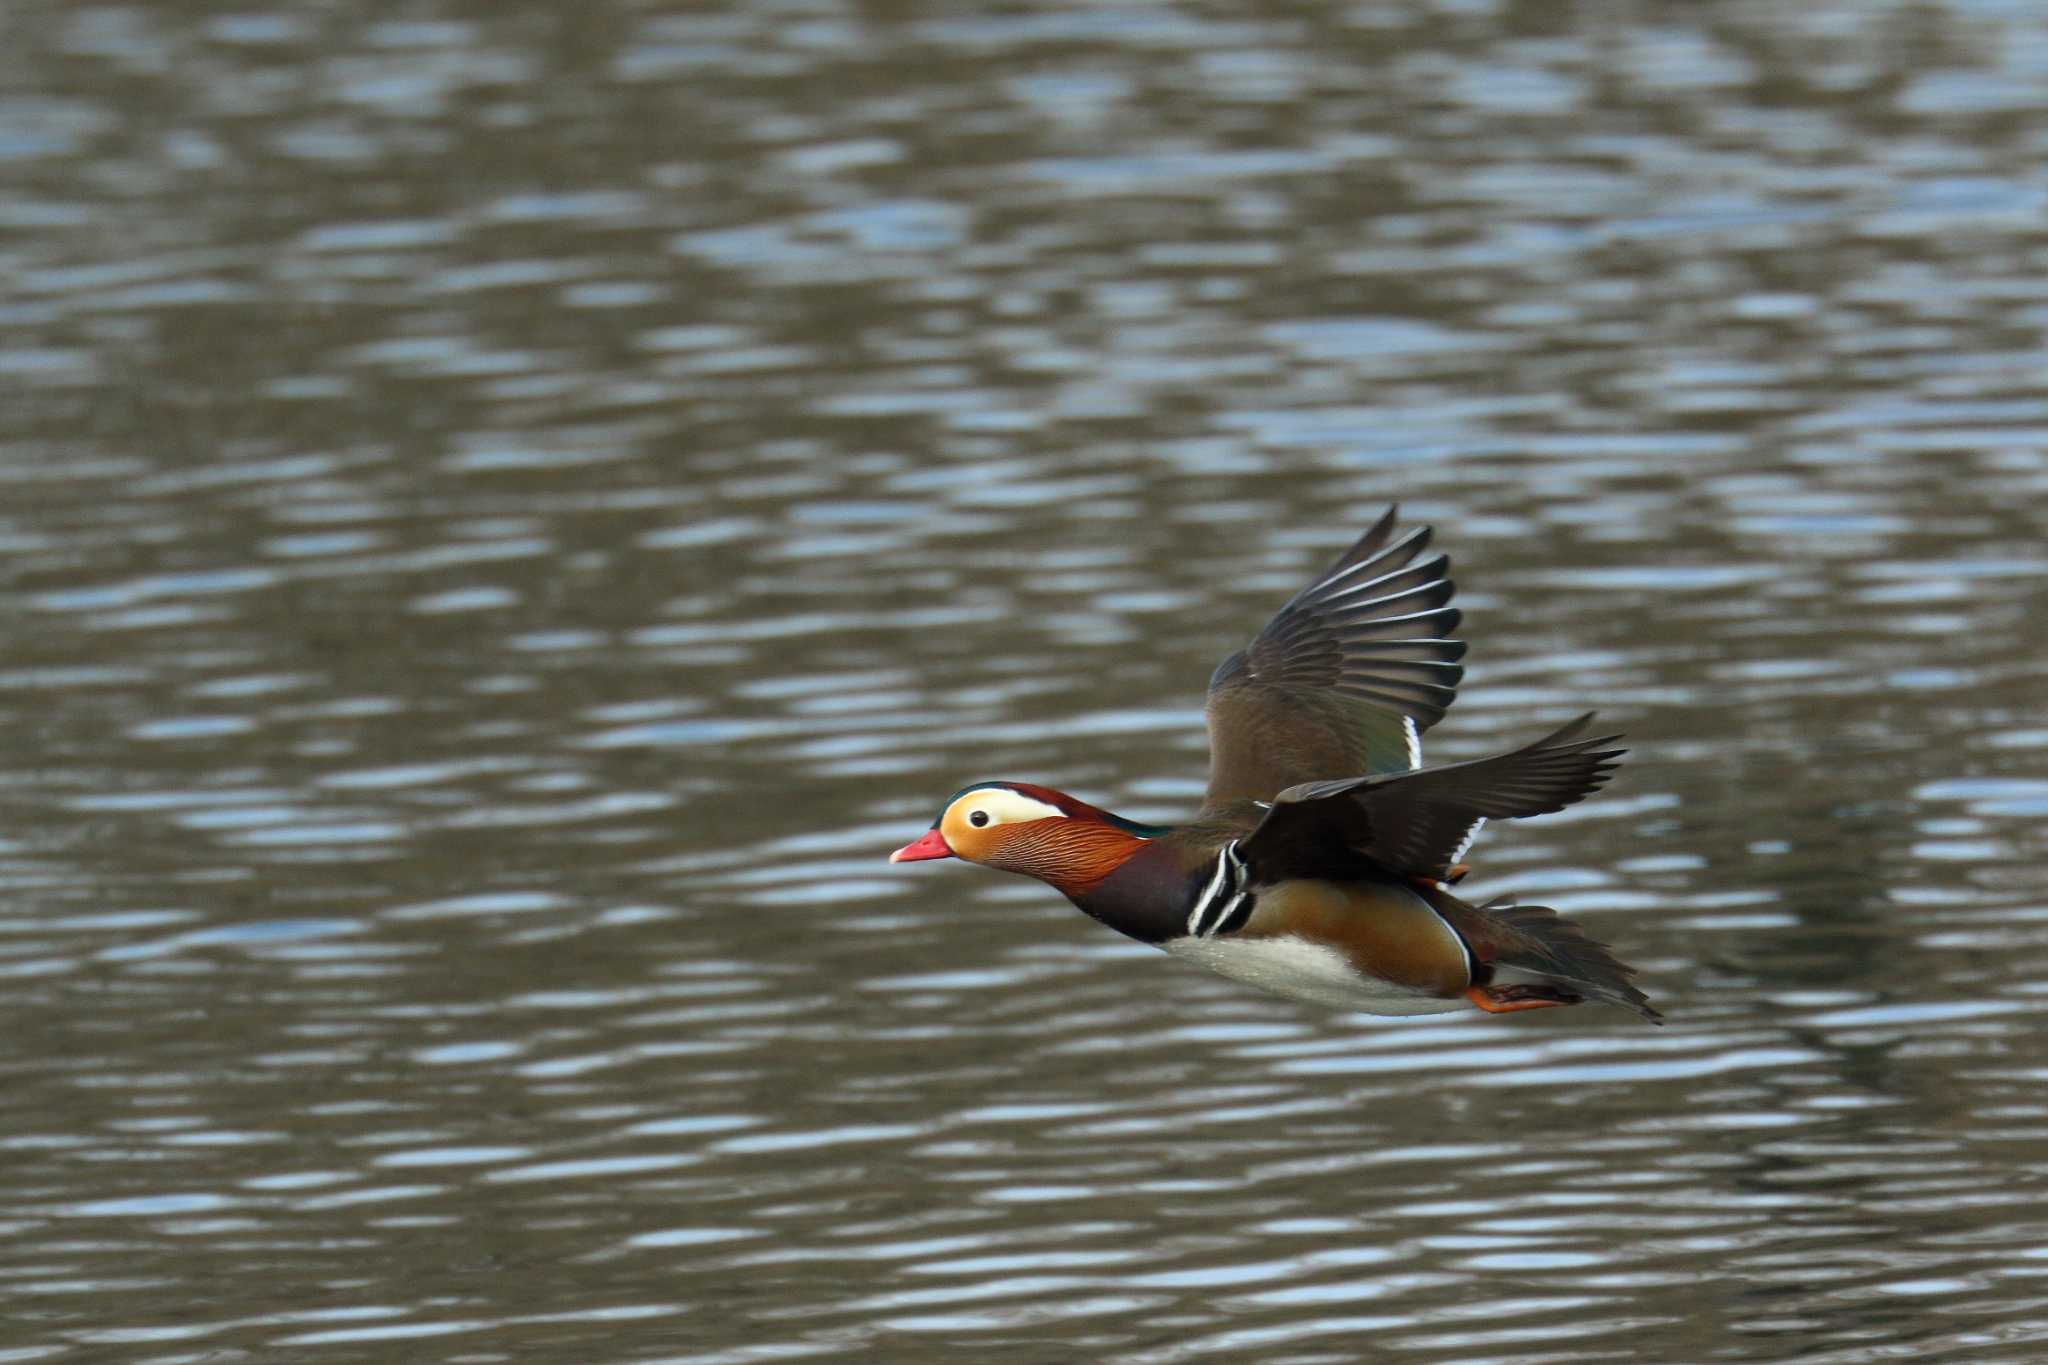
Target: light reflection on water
x=506, y=526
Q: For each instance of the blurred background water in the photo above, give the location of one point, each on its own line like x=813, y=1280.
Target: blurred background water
x=508, y=512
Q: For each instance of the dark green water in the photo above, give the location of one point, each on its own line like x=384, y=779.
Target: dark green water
x=508, y=512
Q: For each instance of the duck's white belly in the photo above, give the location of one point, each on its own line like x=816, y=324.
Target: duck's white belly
x=1304, y=970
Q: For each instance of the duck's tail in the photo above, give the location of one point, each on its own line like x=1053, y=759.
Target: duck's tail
x=1528, y=955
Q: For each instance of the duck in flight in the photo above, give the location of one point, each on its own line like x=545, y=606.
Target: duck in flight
x=1320, y=864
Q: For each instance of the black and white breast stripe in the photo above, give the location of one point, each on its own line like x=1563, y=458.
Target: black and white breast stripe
x=1225, y=902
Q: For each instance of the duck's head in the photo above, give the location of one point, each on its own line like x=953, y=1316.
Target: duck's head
x=1017, y=827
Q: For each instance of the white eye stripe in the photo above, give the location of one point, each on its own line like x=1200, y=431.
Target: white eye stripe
x=1002, y=807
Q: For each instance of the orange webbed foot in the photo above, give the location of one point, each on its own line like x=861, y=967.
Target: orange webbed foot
x=1508, y=999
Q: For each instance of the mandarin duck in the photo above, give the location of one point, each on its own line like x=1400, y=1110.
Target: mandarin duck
x=1320, y=863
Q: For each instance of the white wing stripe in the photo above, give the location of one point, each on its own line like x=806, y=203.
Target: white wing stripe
x=1458, y=853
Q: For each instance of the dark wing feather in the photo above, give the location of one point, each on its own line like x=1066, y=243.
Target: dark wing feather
x=1344, y=678
x=1419, y=823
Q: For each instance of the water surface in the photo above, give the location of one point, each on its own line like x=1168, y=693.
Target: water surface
x=509, y=515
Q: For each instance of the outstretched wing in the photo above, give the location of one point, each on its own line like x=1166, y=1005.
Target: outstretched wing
x=1344, y=678
x=1419, y=823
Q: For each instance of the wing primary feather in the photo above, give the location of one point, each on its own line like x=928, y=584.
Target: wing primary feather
x=1395, y=580
x=1366, y=546
x=1418, y=670
x=1408, y=651
x=1421, y=821
x=1422, y=597
x=1341, y=674
x=1367, y=628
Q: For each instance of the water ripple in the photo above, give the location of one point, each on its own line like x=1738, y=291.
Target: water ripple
x=510, y=524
